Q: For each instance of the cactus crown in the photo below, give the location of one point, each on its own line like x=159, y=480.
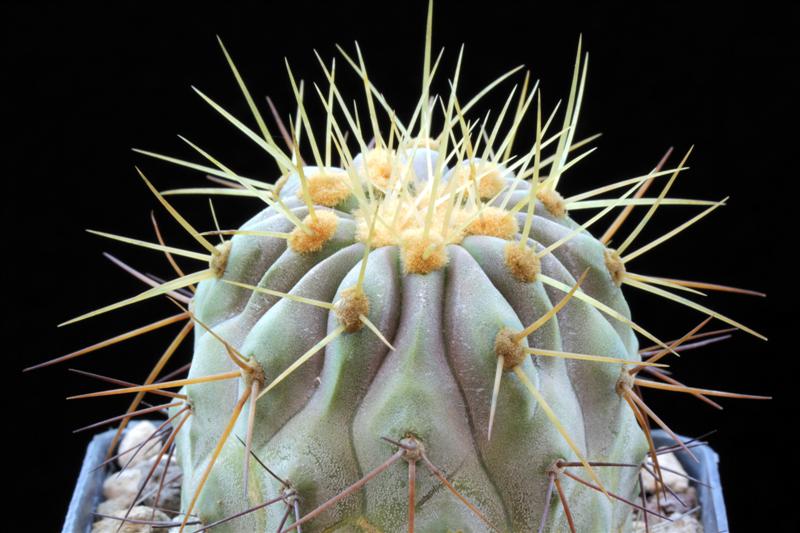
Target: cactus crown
x=427, y=301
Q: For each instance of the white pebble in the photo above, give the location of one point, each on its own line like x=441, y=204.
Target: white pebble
x=114, y=505
x=134, y=436
x=124, y=484
x=140, y=512
x=677, y=482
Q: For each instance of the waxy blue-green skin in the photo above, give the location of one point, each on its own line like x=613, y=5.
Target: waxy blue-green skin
x=321, y=428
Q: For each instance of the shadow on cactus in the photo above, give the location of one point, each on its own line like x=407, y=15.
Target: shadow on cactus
x=414, y=334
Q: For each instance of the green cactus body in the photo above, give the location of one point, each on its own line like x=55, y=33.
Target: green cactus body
x=320, y=430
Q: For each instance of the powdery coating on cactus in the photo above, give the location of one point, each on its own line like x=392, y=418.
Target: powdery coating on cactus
x=418, y=338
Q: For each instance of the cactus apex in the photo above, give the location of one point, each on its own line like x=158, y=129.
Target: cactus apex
x=328, y=187
x=421, y=253
x=378, y=166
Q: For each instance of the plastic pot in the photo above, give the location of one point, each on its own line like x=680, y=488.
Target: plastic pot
x=712, y=504
x=89, y=489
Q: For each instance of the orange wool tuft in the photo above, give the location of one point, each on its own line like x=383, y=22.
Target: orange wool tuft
x=487, y=175
x=321, y=232
x=523, y=262
x=377, y=166
x=552, y=201
x=494, y=222
x=422, y=255
x=327, y=188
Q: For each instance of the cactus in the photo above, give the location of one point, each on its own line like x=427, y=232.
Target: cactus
x=419, y=336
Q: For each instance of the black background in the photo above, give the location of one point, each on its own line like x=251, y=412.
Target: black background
x=87, y=83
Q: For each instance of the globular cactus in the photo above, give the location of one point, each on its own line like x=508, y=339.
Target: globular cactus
x=418, y=337
x=448, y=325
